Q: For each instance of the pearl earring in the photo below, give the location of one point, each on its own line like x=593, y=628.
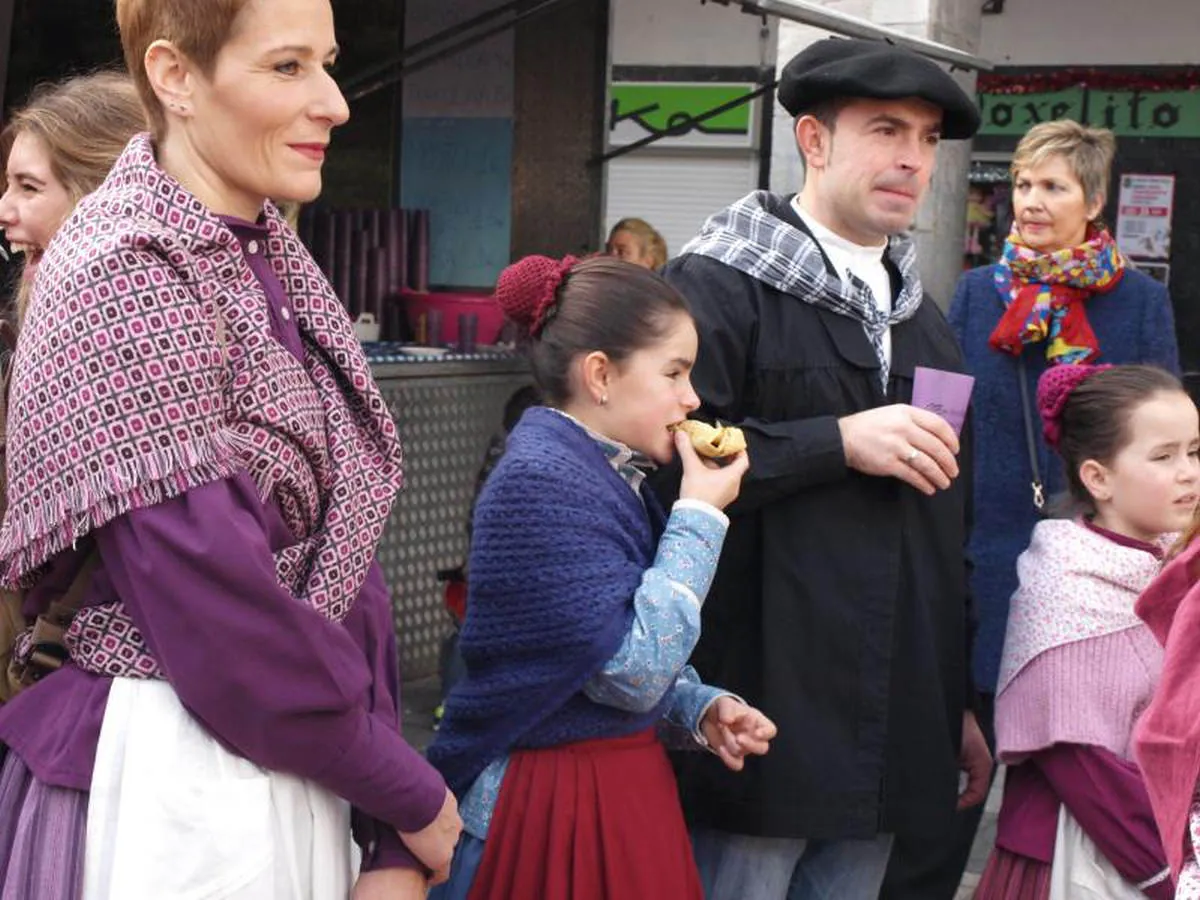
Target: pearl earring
x=603, y=399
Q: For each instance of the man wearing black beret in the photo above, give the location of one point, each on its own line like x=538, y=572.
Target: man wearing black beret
x=840, y=606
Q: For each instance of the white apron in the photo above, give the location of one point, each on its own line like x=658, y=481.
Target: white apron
x=1080, y=871
x=173, y=815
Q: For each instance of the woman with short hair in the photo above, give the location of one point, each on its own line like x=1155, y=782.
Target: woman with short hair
x=637, y=241
x=193, y=423
x=1062, y=293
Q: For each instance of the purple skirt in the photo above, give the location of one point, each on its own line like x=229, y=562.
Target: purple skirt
x=42, y=831
x=1009, y=876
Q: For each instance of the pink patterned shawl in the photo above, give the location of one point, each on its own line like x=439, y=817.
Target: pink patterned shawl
x=146, y=367
x=1075, y=584
x=1078, y=666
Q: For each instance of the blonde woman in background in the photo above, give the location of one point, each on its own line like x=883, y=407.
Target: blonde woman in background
x=636, y=241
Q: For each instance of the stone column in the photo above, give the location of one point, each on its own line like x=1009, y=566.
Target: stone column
x=942, y=226
x=561, y=71
x=941, y=222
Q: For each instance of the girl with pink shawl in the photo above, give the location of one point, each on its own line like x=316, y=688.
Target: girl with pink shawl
x=1078, y=665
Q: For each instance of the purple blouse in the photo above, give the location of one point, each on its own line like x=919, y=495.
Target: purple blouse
x=1153, y=549
x=268, y=676
x=1104, y=793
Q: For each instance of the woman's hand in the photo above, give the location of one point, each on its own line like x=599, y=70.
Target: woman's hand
x=713, y=483
x=391, y=884
x=734, y=730
x=434, y=844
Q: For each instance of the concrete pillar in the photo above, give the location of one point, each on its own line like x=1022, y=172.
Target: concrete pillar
x=943, y=223
x=941, y=220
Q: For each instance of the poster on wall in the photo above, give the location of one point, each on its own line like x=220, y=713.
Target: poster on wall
x=1160, y=272
x=1144, y=215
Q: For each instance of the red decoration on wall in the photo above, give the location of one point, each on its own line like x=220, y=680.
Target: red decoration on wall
x=1049, y=80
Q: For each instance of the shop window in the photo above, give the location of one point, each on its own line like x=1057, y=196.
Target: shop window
x=989, y=213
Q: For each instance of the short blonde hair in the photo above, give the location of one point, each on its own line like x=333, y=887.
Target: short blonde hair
x=1088, y=151
x=197, y=28
x=653, y=244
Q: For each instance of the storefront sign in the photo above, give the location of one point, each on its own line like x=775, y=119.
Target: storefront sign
x=1144, y=215
x=1152, y=114
x=640, y=109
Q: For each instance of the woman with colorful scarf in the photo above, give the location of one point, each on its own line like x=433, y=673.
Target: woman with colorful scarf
x=193, y=426
x=1062, y=294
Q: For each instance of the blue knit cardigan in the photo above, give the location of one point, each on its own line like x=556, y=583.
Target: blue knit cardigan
x=559, y=547
x=1133, y=324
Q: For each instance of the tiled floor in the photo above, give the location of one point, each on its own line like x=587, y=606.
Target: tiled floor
x=420, y=698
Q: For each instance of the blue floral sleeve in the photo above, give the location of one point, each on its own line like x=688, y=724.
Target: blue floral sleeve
x=652, y=658
x=666, y=611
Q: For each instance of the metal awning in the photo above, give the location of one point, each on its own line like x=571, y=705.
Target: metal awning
x=809, y=13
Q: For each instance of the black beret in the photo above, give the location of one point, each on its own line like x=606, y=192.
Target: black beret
x=841, y=67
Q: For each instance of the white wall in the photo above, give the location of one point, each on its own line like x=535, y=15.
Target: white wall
x=674, y=189
x=684, y=33
x=1092, y=33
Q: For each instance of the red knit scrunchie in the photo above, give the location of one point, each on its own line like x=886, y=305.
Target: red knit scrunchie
x=527, y=290
x=1054, y=387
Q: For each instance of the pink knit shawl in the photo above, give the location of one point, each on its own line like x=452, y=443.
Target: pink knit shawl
x=1074, y=584
x=146, y=367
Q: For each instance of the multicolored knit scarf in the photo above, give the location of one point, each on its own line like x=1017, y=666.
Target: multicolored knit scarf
x=1047, y=292
x=146, y=367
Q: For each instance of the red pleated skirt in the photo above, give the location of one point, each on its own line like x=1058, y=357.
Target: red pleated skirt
x=1009, y=876
x=594, y=820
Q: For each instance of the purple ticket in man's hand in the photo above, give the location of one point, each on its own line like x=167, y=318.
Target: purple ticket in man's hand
x=946, y=393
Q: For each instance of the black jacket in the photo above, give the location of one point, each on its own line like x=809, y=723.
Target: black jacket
x=840, y=606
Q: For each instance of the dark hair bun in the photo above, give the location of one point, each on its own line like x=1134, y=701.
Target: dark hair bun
x=527, y=290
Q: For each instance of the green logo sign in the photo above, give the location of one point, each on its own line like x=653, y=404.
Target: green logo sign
x=668, y=108
x=1151, y=114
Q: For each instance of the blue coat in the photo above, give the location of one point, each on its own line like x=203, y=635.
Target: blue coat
x=1133, y=324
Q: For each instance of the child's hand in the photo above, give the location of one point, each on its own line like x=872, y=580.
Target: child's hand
x=714, y=483
x=734, y=729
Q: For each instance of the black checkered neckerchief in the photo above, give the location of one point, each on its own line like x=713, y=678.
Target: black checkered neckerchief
x=748, y=237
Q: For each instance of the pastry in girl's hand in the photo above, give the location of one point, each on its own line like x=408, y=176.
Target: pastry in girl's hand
x=712, y=441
